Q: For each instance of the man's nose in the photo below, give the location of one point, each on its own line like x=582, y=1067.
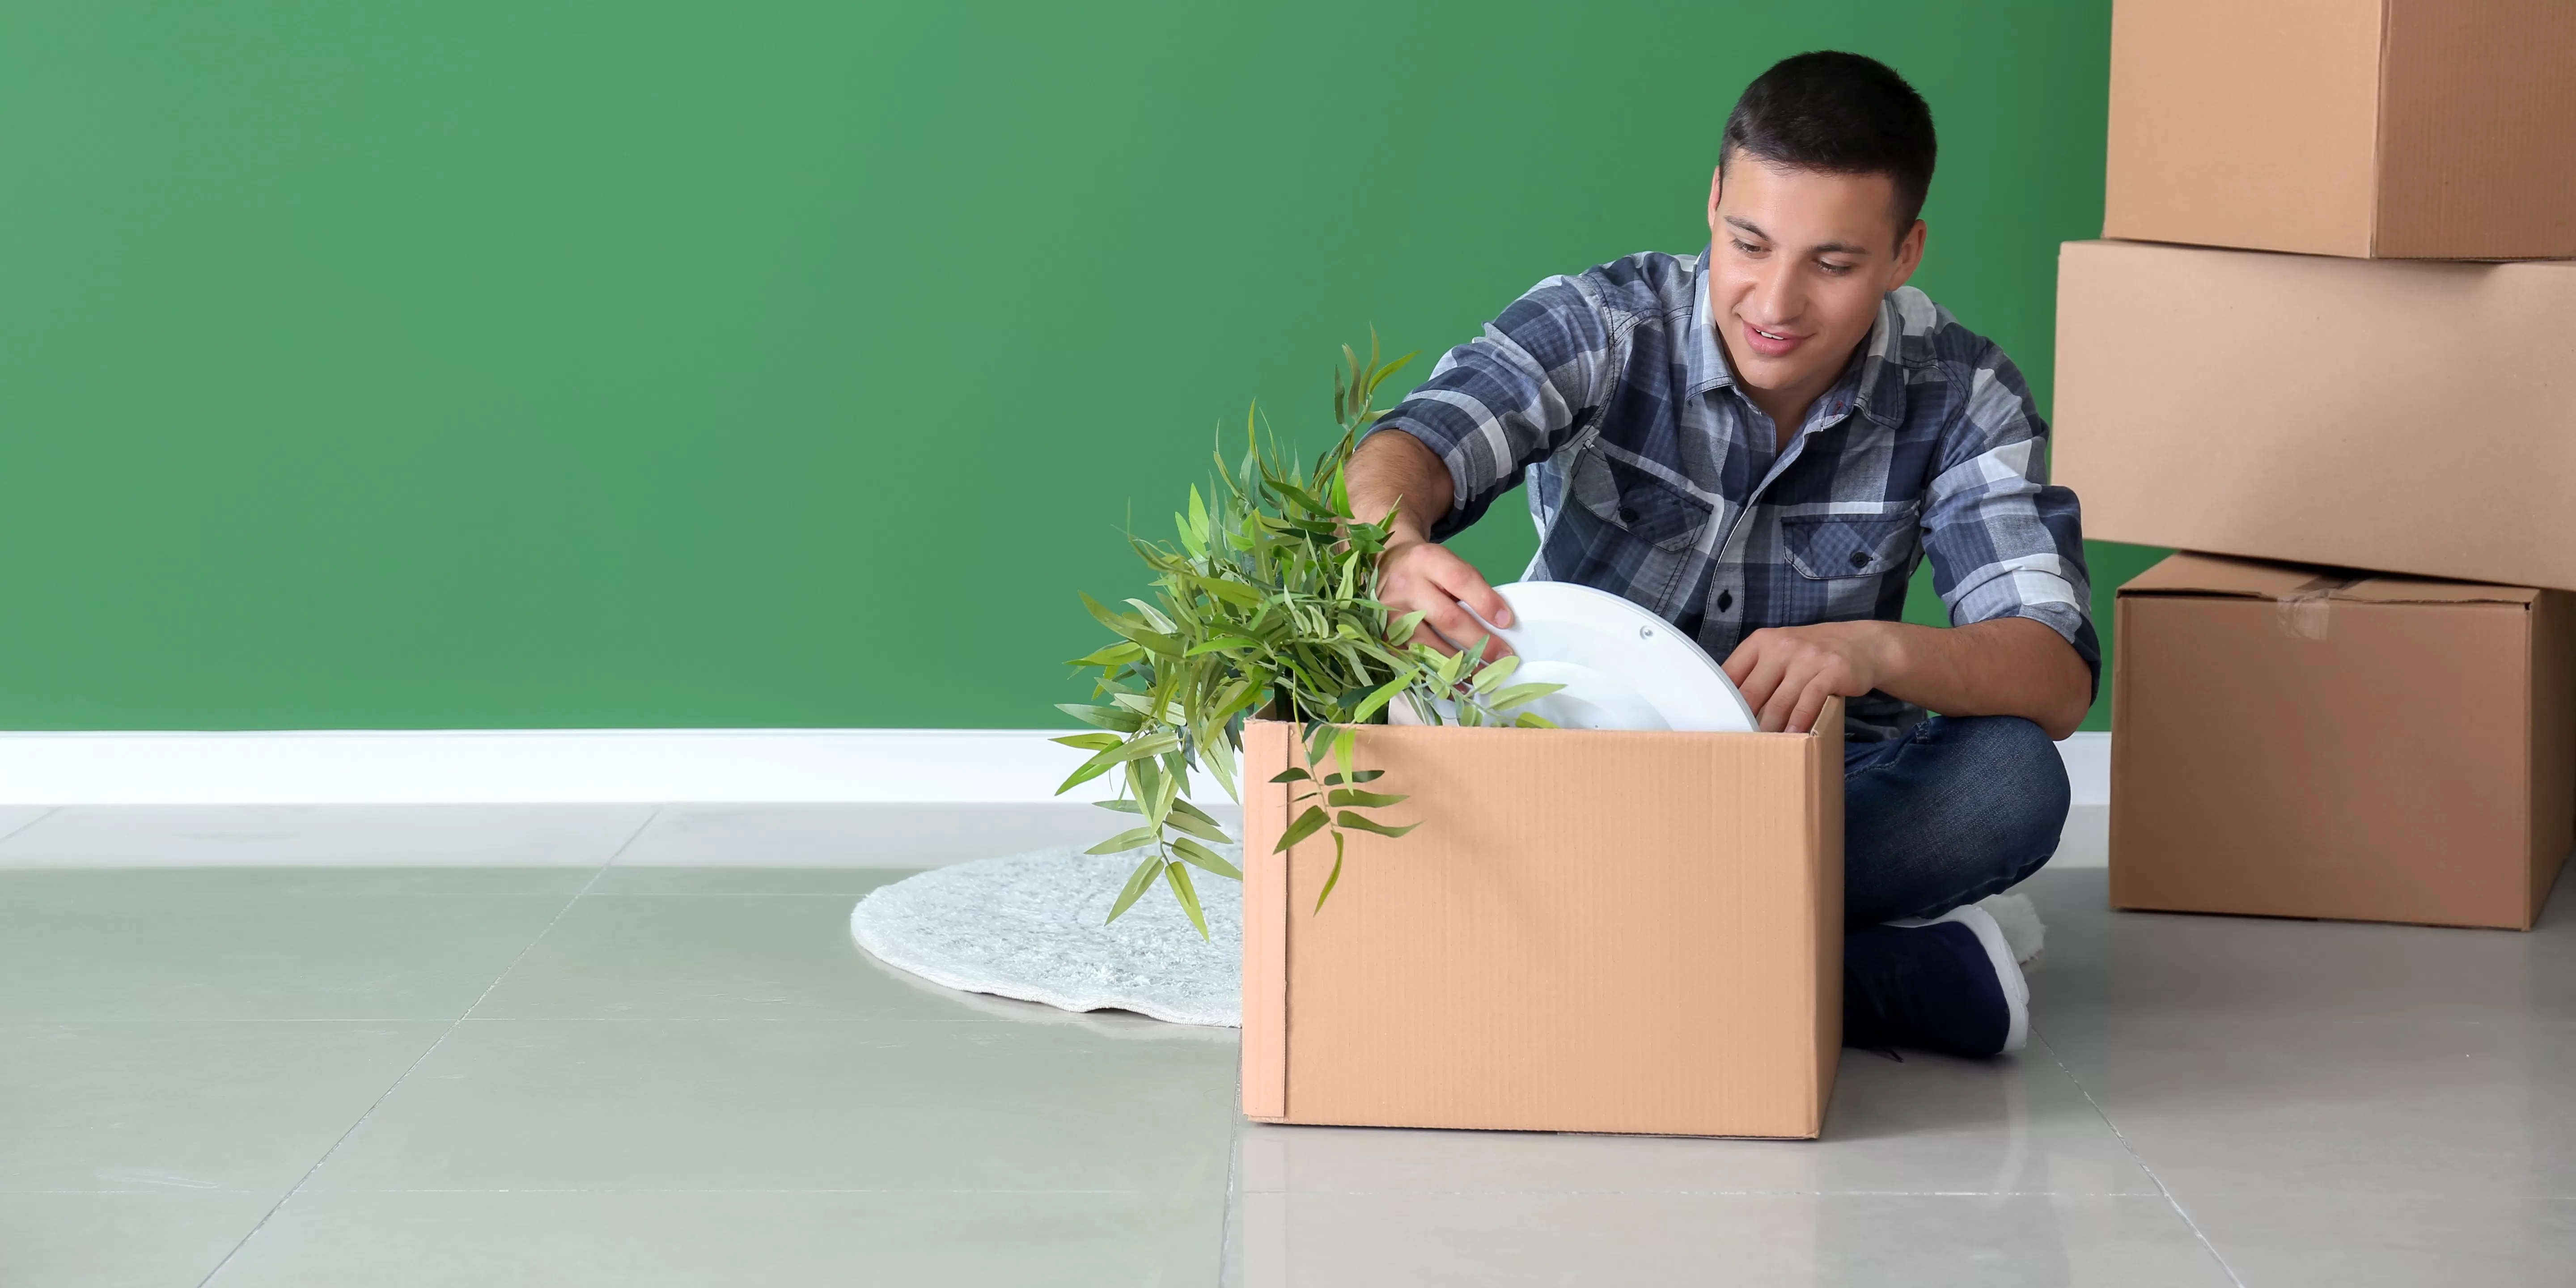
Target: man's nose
x=1776, y=299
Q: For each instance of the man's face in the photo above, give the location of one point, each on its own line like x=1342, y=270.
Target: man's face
x=1797, y=262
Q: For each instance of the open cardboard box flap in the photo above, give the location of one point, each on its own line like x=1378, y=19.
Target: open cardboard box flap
x=2197, y=574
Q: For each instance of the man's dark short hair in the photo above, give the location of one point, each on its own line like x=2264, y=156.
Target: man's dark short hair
x=1841, y=114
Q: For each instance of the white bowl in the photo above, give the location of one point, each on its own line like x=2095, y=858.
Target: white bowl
x=1622, y=667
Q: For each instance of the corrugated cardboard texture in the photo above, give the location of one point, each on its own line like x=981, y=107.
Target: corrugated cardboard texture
x=1591, y=931
x=2413, y=417
x=2391, y=128
x=2399, y=755
x=2237, y=124
x=1268, y=747
x=2477, y=130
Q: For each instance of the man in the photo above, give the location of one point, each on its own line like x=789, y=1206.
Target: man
x=1760, y=443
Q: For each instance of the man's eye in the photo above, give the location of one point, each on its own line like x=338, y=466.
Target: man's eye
x=1747, y=247
x=1836, y=270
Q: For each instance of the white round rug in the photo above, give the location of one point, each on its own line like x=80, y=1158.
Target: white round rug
x=1030, y=926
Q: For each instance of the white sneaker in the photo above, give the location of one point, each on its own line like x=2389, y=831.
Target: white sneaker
x=2023, y=929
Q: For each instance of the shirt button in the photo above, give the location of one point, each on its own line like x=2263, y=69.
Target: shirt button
x=1725, y=600
x=1860, y=559
x=1627, y=515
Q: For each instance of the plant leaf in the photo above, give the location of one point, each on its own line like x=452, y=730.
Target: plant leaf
x=1219, y=755
x=1137, y=881
x=1332, y=878
x=1306, y=825
x=1178, y=876
x=1291, y=776
x=1349, y=819
x=1149, y=745
x=1220, y=642
x=1376, y=702
x=1520, y=693
x=1184, y=807
x=1127, y=840
x=1089, y=741
x=1111, y=655
x=1495, y=672
x=1364, y=800
x=1195, y=823
x=1206, y=858
x=1113, y=719
x=1134, y=628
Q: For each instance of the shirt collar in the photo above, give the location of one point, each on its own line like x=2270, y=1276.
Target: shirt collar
x=1702, y=360
x=1876, y=389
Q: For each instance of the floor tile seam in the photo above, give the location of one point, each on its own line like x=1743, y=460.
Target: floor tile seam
x=7, y=1192
x=1679, y=1192
x=2432, y=1012
x=1134, y=1192
x=552, y=922
x=48, y=812
x=271, y=900
x=10, y=1022
x=1234, y=1190
x=432, y=1049
x=2135, y=1157
x=6, y=872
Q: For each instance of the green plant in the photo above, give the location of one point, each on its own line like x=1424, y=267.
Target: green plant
x=1267, y=604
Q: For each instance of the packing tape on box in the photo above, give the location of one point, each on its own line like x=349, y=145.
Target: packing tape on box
x=2304, y=611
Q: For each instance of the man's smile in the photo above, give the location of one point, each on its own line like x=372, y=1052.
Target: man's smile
x=1771, y=344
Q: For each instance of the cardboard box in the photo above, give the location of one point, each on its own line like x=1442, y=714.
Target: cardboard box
x=2298, y=742
x=2401, y=129
x=1590, y=931
x=2413, y=418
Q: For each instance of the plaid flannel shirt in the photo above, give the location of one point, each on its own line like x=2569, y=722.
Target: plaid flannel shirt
x=1652, y=476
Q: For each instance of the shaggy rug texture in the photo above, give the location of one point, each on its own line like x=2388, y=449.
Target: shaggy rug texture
x=1031, y=926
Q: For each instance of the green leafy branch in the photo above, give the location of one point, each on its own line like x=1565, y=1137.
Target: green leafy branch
x=1267, y=604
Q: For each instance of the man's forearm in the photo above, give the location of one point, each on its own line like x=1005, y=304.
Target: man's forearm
x=2011, y=666
x=1394, y=467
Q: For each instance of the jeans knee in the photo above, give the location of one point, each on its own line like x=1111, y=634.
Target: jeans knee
x=2028, y=772
x=1966, y=807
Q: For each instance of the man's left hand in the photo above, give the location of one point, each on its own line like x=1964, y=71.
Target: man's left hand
x=1787, y=672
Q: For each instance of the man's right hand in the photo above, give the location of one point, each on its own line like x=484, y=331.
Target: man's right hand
x=1414, y=573
x=1417, y=575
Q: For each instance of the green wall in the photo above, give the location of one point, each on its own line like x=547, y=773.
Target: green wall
x=643, y=364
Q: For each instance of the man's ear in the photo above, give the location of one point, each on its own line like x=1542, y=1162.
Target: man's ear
x=1716, y=183
x=1909, y=254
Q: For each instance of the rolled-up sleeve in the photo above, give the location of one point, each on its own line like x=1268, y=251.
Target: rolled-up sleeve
x=2003, y=541
x=1512, y=396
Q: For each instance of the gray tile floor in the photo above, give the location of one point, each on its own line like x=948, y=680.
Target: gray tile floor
x=594, y=1045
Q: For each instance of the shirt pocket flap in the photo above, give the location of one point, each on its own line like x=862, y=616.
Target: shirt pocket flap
x=1639, y=503
x=1825, y=546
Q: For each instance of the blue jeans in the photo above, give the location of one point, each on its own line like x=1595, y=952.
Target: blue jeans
x=1952, y=812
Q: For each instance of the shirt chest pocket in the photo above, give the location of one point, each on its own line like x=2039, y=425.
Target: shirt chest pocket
x=1823, y=547
x=1638, y=503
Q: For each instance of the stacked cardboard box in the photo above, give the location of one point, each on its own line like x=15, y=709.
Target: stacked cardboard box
x=2288, y=359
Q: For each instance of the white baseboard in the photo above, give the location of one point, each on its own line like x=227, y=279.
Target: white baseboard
x=405, y=767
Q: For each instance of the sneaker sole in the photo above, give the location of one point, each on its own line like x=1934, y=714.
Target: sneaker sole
x=2007, y=972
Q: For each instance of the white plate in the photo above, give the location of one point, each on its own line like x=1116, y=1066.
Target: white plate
x=1622, y=667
